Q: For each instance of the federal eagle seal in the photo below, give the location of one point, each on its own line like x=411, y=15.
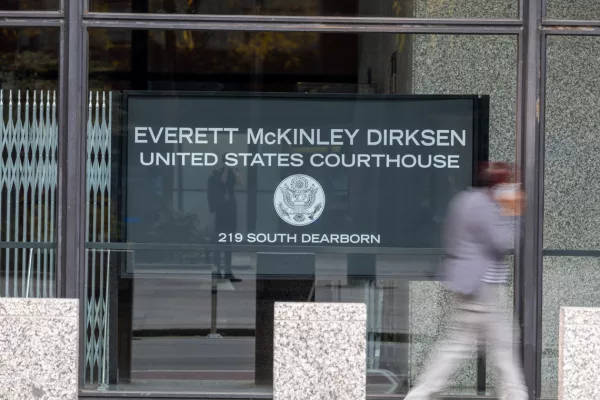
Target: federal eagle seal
x=299, y=200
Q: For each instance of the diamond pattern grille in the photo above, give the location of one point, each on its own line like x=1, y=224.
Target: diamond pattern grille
x=28, y=180
x=98, y=226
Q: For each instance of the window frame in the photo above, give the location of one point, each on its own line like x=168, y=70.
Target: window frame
x=532, y=28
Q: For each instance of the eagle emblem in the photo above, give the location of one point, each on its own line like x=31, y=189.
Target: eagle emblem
x=299, y=200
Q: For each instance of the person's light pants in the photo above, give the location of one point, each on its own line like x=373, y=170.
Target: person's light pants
x=475, y=317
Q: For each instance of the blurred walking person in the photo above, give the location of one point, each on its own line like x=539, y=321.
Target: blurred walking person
x=477, y=235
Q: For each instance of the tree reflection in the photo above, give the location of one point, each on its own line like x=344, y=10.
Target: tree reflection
x=28, y=58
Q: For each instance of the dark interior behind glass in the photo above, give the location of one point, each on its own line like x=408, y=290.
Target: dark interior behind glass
x=174, y=325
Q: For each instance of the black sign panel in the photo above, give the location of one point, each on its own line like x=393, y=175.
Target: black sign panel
x=298, y=170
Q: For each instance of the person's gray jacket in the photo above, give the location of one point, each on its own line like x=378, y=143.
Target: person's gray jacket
x=476, y=237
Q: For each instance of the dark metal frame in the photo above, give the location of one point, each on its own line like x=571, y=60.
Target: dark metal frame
x=528, y=273
x=532, y=29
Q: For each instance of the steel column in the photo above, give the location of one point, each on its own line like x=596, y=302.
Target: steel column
x=72, y=158
x=71, y=199
x=531, y=162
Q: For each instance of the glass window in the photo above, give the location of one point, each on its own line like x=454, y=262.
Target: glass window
x=572, y=212
x=29, y=5
x=172, y=315
x=28, y=161
x=361, y=8
x=575, y=9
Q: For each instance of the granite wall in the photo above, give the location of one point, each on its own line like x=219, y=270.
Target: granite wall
x=573, y=9
x=462, y=64
x=467, y=8
x=571, y=207
x=39, y=345
x=579, y=355
x=572, y=210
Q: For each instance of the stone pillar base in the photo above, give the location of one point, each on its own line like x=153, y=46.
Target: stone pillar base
x=579, y=354
x=39, y=341
x=319, y=351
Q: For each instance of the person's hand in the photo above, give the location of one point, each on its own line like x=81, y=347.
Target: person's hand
x=512, y=202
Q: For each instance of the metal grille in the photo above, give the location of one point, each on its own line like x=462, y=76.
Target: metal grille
x=28, y=178
x=98, y=211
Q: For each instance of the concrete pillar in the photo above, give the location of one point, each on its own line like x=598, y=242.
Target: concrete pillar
x=39, y=341
x=319, y=351
x=579, y=354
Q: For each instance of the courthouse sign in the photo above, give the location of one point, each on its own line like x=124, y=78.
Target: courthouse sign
x=335, y=170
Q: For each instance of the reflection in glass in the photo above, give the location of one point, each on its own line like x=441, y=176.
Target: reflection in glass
x=29, y=5
x=168, y=320
x=29, y=58
x=352, y=8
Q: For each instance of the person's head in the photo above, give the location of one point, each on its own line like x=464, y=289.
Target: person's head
x=491, y=174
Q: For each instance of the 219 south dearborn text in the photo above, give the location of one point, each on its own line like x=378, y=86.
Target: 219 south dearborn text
x=306, y=238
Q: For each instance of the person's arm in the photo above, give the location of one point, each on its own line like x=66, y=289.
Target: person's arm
x=497, y=231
